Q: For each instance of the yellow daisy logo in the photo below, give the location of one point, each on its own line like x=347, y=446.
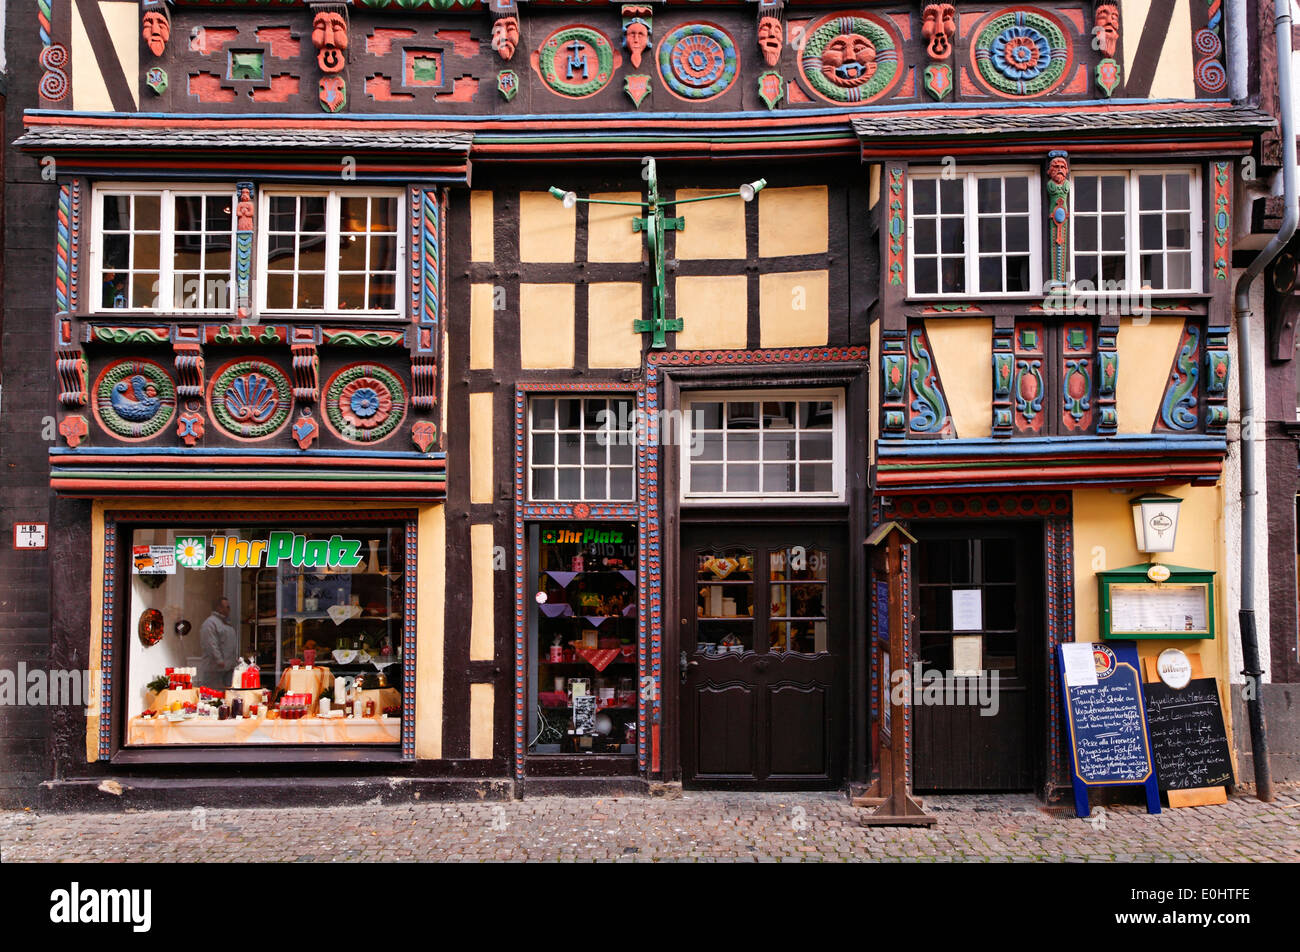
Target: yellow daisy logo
x=191, y=552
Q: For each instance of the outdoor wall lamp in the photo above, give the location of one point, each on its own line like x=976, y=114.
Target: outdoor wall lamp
x=1155, y=521
x=655, y=223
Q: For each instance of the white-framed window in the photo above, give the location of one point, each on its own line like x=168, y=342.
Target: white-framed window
x=763, y=446
x=1136, y=229
x=976, y=232
x=162, y=248
x=581, y=449
x=330, y=251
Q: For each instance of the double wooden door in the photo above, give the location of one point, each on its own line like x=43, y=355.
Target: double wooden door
x=763, y=654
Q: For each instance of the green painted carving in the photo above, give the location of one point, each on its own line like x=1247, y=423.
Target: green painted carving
x=364, y=403
x=843, y=84
x=251, y=399
x=565, y=66
x=365, y=338
x=135, y=399
x=1178, y=409
x=928, y=405
x=1021, y=53
x=246, y=64
x=131, y=335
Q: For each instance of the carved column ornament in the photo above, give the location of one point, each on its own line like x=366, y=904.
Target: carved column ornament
x=245, y=211
x=1105, y=33
x=1058, y=203
x=329, y=34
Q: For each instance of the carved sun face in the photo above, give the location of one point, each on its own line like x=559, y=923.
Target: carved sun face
x=329, y=34
x=849, y=60
x=156, y=30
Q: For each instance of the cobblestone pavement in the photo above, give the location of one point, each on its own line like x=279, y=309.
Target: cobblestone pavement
x=696, y=826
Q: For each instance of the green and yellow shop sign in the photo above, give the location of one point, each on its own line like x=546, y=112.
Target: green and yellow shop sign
x=222, y=551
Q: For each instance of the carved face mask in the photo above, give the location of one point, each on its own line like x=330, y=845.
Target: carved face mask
x=849, y=60
x=505, y=36
x=329, y=34
x=938, y=28
x=636, y=38
x=770, y=40
x=1108, y=28
x=156, y=31
x=1058, y=169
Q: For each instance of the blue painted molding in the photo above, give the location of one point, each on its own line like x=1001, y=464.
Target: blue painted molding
x=1042, y=446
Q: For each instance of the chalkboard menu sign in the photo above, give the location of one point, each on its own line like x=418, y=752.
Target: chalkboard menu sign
x=1106, y=720
x=1187, y=735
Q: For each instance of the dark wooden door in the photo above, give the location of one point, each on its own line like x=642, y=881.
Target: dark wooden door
x=991, y=741
x=763, y=642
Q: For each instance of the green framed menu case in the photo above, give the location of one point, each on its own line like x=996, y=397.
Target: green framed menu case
x=1156, y=601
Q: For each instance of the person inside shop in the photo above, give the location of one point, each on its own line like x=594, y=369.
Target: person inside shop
x=220, y=643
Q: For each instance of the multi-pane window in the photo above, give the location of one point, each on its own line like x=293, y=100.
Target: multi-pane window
x=582, y=448
x=1136, y=230
x=974, y=232
x=330, y=251
x=777, y=444
x=163, y=249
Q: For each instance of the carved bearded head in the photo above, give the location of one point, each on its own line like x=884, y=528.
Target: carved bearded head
x=1107, y=26
x=849, y=60
x=636, y=38
x=1058, y=168
x=770, y=39
x=505, y=36
x=938, y=27
x=157, y=30
x=329, y=34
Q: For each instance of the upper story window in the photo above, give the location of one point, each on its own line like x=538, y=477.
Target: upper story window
x=581, y=448
x=330, y=251
x=764, y=446
x=1137, y=229
x=974, y=233
x=162, y=249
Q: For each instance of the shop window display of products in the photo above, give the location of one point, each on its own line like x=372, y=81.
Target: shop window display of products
x=584, y=639
x=265, y=636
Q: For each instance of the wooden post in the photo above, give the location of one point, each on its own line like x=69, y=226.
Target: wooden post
x=893, y=801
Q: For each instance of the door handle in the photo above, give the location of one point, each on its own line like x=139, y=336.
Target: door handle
x=687, y=664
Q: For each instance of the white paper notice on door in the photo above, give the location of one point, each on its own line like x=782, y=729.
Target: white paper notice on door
x=967, y=609
x=1080, y=669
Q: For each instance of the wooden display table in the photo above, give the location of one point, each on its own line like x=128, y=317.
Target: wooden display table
x=160, y=731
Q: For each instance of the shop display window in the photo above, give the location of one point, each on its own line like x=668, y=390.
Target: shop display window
x=584, y=682
x=245, y=635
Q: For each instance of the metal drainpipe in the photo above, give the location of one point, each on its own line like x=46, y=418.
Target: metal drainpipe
x=1249, y=639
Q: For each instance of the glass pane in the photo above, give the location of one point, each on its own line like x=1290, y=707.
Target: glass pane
x=594, y=413
x=742, y=446
x=742, y=478
x=144, y=289
x=706, y=478
x=778, y=479
x=1000, y=608
x=1017, y=273
x=622, y=448
x=216, y=252
x=1017, y=234
x=952, y=232
x=990, y=231
x=952, y=196
x=280, y=251
x=311, y=291
x=778, y=415
x=1017, y=194
x=283, y=209
x=778, y=634
x=1085, y=271
x=778, y=446
x=954, y=275
x=383, y=293
x=352, y=292
x=1112, y=232
x=570, y=447
x=742, y=416
x=815, y=446
x=543, y=448
x=543, y=484
x=543, y=414
x=927, y=276
x=1153, y=271
x=923, y=196
x=383, y=214
x=383, y=253
x=816, y=566
x=569, y=414
x=279, y=291
x=148, y=212
x=117, y=252
x=621, y=482
x=185, y=289
x=999, y=557
x=595, y=484
x=1178, y=191
x=988, y=195
x=1178, y=231
x=706, y=416
x=1150, y=192
x=146, y=252
x=925, y=237
x=1151, y=231
x=189, y=212
x=311, y=254
x=570, y=483
x=311, y=214
x=1113, y=193
x=1085, y=193
x=990, y=274
x=932, y=561
x=1114, y=269
x=1085, y=234
x=706, y=445
x=352, y=253
x=817, y=415
x=217, y=209
x=352, y=214
x=117, y=212
x=816, y=478
x=1178, y=273
x=594, y=449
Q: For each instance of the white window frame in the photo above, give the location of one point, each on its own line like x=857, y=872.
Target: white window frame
x=1132, y=216
x=166, y=246
x=582, y=466
x=331, y=308
x=972, y=253
x=833, y=395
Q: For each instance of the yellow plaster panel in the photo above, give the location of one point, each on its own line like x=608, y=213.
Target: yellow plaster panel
x=480, y=226
x=480, y=447
x=481, y=353
x=873, y=417
x=792, y=309
x=609, y=228
x=1103, y=541
x=547, y=230
x=545, y=326
x=429, y=636
x=1174, y=77
x=793, y=221
x=963, y=355
x=89, y=91
x=714, y=312
x=1146, y=352
x=482, y=617
x=873, y=185
x=713, y=229
x=123, y=22
x=611, y=309
x=480, y=721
